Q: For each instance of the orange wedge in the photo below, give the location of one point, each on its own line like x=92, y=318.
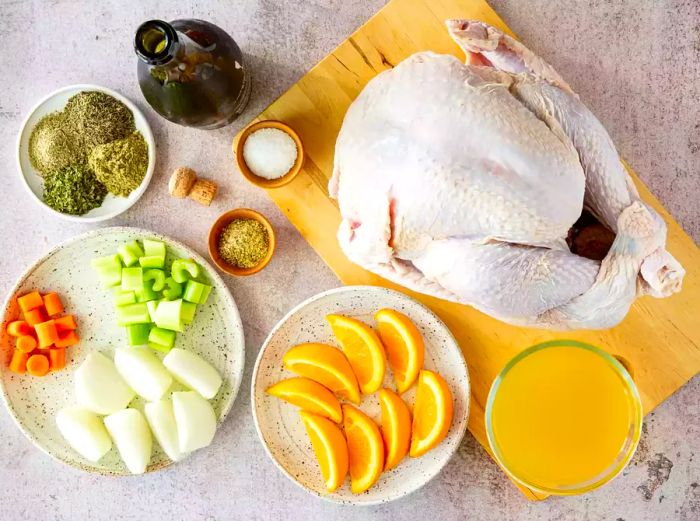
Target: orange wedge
x=330, y=448
x=432, y=414
x=308, y=395
x=364, y=351
x=404, y=346
x=396, y=427
x=326, y=365
x=365, y=448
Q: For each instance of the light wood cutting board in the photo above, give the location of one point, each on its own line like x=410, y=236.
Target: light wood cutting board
x=660, y=338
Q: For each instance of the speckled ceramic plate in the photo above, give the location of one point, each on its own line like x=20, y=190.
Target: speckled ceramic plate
x=279, y=425
x=112, y=205
x=216, y=334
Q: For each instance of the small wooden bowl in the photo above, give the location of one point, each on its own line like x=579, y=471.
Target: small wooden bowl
x=221, y=223
x=261, y=181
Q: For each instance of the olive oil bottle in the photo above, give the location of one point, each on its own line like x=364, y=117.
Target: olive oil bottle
x=191, y=72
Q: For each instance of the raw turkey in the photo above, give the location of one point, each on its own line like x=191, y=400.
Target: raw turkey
x=462, y=181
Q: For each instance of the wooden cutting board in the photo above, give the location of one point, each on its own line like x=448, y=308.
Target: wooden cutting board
x=660, y=338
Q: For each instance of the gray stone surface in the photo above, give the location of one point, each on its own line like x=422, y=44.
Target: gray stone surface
x=635, y=63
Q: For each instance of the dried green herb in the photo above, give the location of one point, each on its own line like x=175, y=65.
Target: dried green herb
x=243, y=243
x=74, y=190
x=98, y=118
x=120, y=165
x=53, y=144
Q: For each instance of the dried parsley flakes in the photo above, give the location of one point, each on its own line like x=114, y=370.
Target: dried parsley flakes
x=74, y=190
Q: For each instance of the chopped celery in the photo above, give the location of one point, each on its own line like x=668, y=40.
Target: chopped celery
x=162, y=337
x=152, y=305
x=184, y=269
x=169, y=315
x=153, y=248
x=196, y=292
x=130, y=253
x=137, y=334
x=173, y=289
x=159, y=347
x=132, y=279
x=122, y=298
x=147, y=294
x=157, y=276
x=152, y=262
x=133, y=314
x=109, y=270
x=188, y=310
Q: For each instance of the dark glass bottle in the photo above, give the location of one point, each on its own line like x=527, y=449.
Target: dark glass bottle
x=191, y=72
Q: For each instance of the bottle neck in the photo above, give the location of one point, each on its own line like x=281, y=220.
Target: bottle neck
x=156, y=42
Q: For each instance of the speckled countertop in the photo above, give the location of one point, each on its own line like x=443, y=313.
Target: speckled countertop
x=637, y=65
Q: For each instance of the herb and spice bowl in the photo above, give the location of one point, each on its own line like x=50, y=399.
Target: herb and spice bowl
x=85, y=153
x=241, y=242
x=274, y=150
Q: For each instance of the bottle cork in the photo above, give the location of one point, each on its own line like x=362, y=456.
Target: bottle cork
x=184, y=183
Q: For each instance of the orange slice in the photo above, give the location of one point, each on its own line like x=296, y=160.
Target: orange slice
x=326, y=365
x=330, y=448
x=364, y=351
x=432, y=414
x=404, y=346
x=396, y=427
x=365, y=448
x=308, y=395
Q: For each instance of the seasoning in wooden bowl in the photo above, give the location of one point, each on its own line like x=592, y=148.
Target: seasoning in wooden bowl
x=244, y=243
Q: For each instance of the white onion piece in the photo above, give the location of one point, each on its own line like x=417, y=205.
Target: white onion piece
x=99, y=387
x=132, y=437
x=84, y=431
x=143, y=372
x=193, y=371
x=161, y=419
x=195, y=419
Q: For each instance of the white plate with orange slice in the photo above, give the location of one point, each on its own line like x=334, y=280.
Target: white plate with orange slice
x=360, y=395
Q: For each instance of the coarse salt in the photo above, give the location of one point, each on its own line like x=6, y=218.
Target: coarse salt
x=269, y=153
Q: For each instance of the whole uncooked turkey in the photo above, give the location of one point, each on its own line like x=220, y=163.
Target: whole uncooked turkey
x=462, y=181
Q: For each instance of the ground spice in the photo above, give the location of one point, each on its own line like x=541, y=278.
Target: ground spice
x=98, y=118
x=53, y=145
x=243, y=243
x=74, y=190
x=120, y=165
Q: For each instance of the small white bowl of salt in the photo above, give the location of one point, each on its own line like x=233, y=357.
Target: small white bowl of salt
x=269, y=154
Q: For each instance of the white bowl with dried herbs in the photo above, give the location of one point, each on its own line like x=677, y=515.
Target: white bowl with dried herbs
x=86, y=153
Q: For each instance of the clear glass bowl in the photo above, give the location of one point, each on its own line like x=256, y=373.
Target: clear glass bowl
x=627, y=449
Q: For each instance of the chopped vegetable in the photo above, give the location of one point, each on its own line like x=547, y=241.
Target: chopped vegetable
x=137, y=334
x=161, y=339
x=131, y=435
x=152, y=305
x=84, y=431
x=67, y=339
x=19, y=328
x=132, y=279
x=26, y=343
x=152, y=248
x=18, y=363
x=193, y=371
x=109, y=269
x=157, y=276
x=133, y=314
x=152, y=262
x=169, y=315
x=122, y=297
x=130, y=253
x=35, y=316
x=30, y=301
x=195, y=420
x=65, y=323
x=53, y=304
x=57, y=358
x=143, y=372
x=99, y=387
x=161, y=419
x=147, y=293
x=188, y=311
x=196, y=292
x=37, y=365
x=184, y=269
x=173, y=289
x=46, y=333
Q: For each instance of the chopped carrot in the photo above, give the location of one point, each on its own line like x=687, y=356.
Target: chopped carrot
x=57, y=358
x=37, y=365
x=18, y=363
x=30, y=301
x=46, y=333
x=53, y=304
x=67, y=339
x=65, y=323
x=35, y=316
x=26, y=343
x=19, y=328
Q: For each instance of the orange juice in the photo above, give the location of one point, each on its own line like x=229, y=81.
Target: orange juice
x=563, y=417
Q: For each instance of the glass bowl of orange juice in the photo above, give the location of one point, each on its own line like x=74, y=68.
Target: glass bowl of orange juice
x=563, y=417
